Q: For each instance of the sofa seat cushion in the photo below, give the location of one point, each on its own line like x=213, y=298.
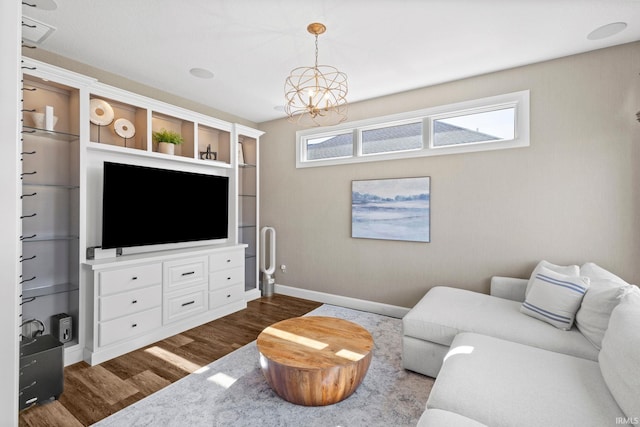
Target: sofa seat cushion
x=502, y=383
x=440, y=418
x=445, y=312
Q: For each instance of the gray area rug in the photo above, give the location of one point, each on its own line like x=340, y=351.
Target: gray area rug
x=388, y=396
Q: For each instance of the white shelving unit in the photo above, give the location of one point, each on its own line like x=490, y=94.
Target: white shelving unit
x=249, y=203
x=65, y=193
x=51, y=181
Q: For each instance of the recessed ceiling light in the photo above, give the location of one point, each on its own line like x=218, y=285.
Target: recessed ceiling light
x=201, y=73
x=607, y=30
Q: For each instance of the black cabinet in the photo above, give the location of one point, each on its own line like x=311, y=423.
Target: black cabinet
x=41, y=370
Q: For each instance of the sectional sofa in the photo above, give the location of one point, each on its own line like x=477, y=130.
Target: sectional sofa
x=561, y=348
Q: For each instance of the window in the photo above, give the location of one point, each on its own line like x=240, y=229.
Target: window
x=329, y=147
x=392, y=138
x=473, y=128
x=498, y=122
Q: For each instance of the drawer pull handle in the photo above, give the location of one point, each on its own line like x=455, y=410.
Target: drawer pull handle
x=188, y=273
x=188, y=303
x=28, y=386
x=228, y=260
x=32, y=400
x=228, y=278
x=134, y=325
x=33, y=362
x=135, y=301
x=229, y=296
x=134, y=278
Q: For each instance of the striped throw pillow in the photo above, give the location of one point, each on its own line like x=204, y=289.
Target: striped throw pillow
x=555, y=298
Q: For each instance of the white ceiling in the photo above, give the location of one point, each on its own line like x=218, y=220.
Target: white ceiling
x=384, y=46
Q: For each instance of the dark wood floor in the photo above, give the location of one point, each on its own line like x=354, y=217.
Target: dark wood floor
x=92, y=393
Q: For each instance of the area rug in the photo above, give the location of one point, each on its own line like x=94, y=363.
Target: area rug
x=233, y=392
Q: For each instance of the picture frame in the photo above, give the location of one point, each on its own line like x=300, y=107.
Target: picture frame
x=392, y=209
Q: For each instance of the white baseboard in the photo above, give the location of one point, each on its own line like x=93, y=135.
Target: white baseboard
x=252, y=294
x=354, y=303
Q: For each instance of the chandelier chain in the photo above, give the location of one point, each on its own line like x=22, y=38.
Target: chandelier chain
x=316, y=51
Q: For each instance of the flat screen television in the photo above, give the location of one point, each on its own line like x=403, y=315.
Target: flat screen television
x=144, y=206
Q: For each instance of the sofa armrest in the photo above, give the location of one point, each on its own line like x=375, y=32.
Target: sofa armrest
x=509, y=288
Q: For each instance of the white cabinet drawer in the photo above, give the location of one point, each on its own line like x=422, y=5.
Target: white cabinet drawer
x=126, y=303
x=224, y=260
x=226, y=295
x=224, y=278
x=184, y=273
x=126, y=279
x=129, y=326
x=188, y=304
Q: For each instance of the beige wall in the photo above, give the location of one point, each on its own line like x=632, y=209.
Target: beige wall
x=572, y=196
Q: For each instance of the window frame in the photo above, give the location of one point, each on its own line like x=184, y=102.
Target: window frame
x=518, y=100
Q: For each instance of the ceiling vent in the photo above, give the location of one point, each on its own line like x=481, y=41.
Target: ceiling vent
x=35, y=31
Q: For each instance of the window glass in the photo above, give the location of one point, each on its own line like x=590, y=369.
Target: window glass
x=392, y=138
x=493, y=123
x=330, y=147
x=486, y=126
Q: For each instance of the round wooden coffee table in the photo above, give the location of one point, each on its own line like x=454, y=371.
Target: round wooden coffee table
x=315, y=360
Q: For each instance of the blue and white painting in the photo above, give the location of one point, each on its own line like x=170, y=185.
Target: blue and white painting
x=391, y=209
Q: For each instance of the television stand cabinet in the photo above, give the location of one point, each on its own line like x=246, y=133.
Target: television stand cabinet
x=136, y=300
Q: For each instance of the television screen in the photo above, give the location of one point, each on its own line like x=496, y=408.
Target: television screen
x=150, y=206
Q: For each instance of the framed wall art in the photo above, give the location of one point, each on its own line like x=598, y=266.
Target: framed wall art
x=391, y=209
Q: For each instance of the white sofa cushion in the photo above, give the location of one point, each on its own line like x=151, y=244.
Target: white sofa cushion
x=569, y=270
x=620, y=355
x=594, y=272
x=603, y=296
x=445, y=312
x=505, y=384
x=554, y=297
x=508, y=288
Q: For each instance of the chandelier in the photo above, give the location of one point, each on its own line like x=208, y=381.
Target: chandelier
x=316, y=96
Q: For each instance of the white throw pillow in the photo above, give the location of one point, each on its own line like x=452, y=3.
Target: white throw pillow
x=605, y=291
x=620, y=355
x=592, y=319
x=568, y=270
x=594, y=271
x=555, y=298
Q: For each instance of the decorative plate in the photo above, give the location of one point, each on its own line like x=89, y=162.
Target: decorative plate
x=124, y=128
x=101, y=113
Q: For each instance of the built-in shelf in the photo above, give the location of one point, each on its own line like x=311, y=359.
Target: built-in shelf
x=42, y=290
x=49, y=134
x=61, y=186
x=95, y=146
x=40, y=238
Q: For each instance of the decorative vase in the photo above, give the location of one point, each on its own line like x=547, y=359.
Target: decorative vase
x=166, y=147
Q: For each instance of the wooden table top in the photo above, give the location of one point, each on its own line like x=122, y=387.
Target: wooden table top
x=314, y=342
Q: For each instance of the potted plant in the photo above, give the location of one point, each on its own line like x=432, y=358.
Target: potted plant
x=167, y=140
